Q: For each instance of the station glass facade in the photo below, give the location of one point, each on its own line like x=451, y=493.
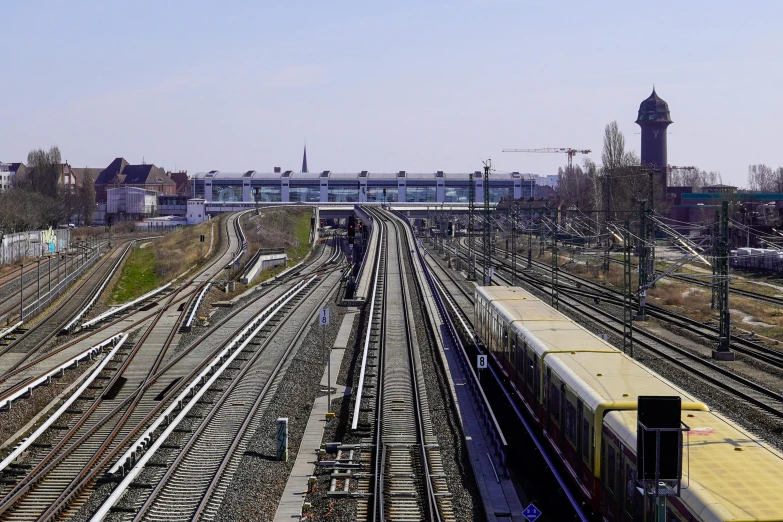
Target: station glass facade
x=304, y=194
x=349, y=188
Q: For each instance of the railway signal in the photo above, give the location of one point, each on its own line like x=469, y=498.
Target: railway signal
x=323, y=320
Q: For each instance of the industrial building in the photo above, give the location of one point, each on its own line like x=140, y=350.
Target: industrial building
x=361, y=187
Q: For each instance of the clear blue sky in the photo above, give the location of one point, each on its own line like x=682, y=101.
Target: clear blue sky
x=386, y=86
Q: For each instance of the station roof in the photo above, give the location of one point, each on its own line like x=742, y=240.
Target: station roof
x=363, y=175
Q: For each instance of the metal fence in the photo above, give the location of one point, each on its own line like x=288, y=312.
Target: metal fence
x=34, y=243
x=46, y=291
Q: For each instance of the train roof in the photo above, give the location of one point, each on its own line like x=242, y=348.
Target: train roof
x=603, y=377
x=729, y=474
x=544, y=328
x=504, y=293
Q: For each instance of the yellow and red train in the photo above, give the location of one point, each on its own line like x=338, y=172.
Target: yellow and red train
x=582, y=393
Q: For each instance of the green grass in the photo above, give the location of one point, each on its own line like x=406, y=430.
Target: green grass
x=302, y=233
x=138, y=276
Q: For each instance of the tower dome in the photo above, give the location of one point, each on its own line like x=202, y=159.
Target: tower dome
x=654, y=109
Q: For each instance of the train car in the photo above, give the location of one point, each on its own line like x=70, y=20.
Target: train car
x=729, y=474
x=571, y=381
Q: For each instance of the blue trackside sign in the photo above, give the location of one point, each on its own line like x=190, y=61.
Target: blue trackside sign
x=531, y=513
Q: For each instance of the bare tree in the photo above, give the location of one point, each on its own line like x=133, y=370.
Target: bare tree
x=595, y=190
x=44, y=169
x=613, y=155
x=87, y=197
x=695, y=178
x=762, y=178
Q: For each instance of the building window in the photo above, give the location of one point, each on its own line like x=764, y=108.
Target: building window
x=228, y=193
x=496, y=193
x=304, y=194
x=375, y=194
x=456, y=195
x=343, y=194
x=421, y=194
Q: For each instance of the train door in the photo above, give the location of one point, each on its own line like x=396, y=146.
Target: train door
x=536, y=382
x=562, y=417
x=579, y=439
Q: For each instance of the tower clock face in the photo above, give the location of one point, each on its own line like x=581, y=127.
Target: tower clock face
x=651, y=117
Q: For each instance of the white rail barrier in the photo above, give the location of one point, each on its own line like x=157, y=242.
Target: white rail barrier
x=223, y=360
x=119, y=309
x=10, y=329
x=246, y=335
x=366, y=349
x=118, y=341
x=192, y=314
x=90, y=352
x=97, y=294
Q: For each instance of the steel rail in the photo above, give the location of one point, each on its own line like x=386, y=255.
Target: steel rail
x=738, y=344
x=54, y=458
x=431, y=508
x=88, y=472
x=592, y=312
x=368, y=335
x=100, y=289
x=135, y=395
x=189, y=397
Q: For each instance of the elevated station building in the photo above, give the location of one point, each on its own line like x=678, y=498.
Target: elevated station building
x=357, y=188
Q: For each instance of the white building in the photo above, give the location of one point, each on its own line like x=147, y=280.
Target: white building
x=131, y=202
x=5, y=177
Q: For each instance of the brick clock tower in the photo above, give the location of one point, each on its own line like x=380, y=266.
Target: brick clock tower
x=653, y=119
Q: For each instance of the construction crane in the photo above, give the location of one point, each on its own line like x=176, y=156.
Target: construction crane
x=562, y=150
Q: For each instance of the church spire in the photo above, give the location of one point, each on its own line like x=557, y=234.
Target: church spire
x=304, y=159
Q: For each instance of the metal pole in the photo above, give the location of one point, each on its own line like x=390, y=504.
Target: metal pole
x=328, y=373
x=627, y=296
x=555, y=264
x=49, y=270
x=21, y=292
x=471, y=226
x=724, y=352
x=530, y=237
x=514, y=245
x=38, y=281
x=487, y=227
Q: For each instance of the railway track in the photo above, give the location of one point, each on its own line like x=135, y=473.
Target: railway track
x=408, y=482
x=584, y=288
x=22, y=364
x=692, y=279
x=718, y=376
x=38, y=292
x=37, y=336
x=196, y=479
x=134, y=393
